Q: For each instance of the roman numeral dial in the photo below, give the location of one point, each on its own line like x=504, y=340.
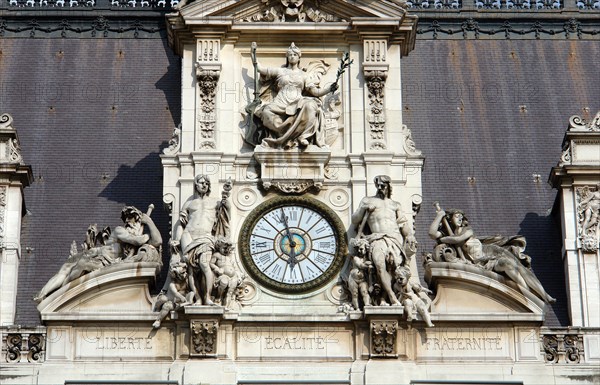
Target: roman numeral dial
x=292, y=244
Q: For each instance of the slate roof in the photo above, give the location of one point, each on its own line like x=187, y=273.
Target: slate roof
x=93, y=115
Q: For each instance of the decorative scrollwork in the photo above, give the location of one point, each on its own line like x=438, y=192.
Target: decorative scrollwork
x=13, y=348
x=6, y=122
x=563, y=348
x=565, y=157
x=572, y=353
x=409, y=144
x=174, y=142
x=550, y=345
x=14, y=151
x=35, y=344
x=293, y=187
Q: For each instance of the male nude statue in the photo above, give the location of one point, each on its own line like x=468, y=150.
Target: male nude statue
x=127, y=243
x=391, y=235
x=195, y=233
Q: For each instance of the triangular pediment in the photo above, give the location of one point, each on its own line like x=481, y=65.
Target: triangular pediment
x=293, y=11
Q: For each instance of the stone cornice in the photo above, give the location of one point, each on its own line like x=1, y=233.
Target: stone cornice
x=401, y=31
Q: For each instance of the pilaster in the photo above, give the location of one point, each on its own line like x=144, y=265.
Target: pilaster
x=14, y=177
x=577, y=177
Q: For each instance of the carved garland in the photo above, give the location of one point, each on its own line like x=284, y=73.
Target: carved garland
x=208, y=71
x=375, y=80
x=207, y=85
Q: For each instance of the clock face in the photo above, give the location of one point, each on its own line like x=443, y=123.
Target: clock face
x=293, y=244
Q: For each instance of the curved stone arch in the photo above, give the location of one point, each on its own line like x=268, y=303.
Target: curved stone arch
x=468, y=292
x=116, y=292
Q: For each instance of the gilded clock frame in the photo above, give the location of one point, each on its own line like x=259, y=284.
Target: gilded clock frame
x=284, y=201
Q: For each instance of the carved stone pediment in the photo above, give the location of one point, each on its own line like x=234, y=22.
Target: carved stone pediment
x=293, y=10
x=348, y=19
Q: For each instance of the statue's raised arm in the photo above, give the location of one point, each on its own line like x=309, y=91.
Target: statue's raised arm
x=294, y=117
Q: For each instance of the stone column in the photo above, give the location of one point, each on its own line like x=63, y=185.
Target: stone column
x=14, y=177
x=577, y=178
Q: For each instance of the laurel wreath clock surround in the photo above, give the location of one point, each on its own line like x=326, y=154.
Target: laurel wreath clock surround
x=293, y=244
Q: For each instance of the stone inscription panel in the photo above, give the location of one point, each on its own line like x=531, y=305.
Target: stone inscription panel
x=118, y=342
x=485, y=344
x=333, y=343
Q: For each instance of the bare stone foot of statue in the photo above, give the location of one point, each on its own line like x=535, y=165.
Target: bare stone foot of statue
x=208, y=302
x=550, y=299
x=156, y=324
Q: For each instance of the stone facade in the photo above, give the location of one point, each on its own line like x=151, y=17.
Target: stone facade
x=99, y=326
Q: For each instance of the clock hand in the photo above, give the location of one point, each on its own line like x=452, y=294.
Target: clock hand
x=292, y=260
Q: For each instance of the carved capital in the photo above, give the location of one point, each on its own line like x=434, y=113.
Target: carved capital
x=384, y=338
x=375, y=80
x=203, y=338
x=208, y=74
x=207, y=84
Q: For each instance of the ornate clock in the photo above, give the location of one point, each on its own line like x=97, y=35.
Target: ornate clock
x=293, y=244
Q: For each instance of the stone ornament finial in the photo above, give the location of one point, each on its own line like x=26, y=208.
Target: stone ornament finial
x=10, y=148
x=6, y=122
x=576, y=123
